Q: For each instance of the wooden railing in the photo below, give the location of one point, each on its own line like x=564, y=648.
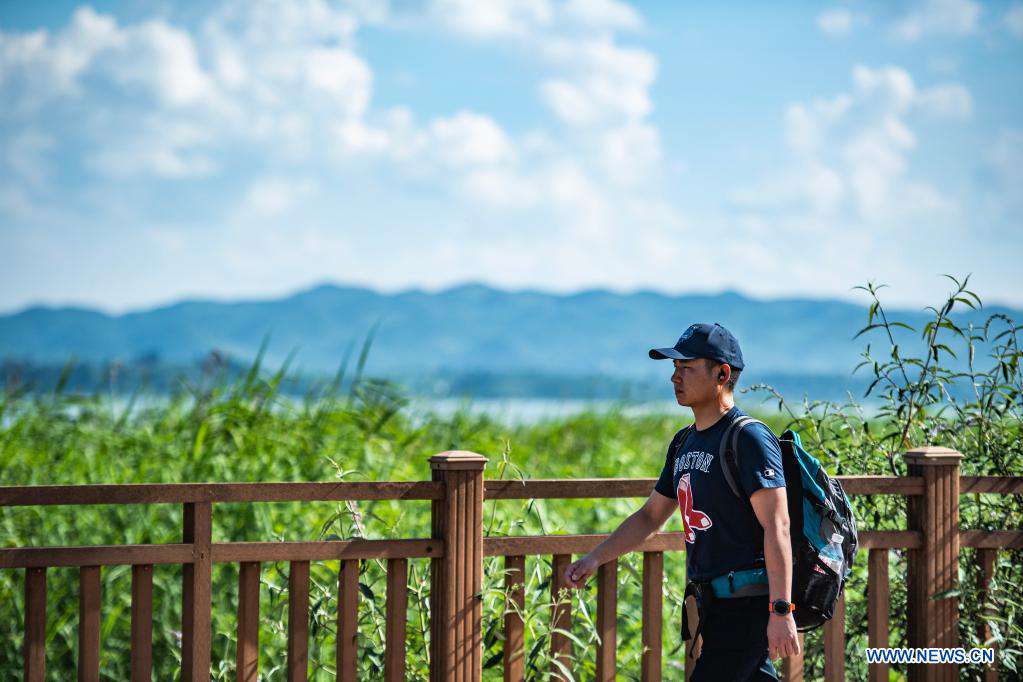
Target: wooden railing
x=456, y=548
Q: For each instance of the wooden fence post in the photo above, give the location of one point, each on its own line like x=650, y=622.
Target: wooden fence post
x=934, y=567
x=456, y=616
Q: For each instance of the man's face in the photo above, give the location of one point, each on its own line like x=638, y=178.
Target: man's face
x=694, y=381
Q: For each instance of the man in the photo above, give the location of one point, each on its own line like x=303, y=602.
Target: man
x=738, y=556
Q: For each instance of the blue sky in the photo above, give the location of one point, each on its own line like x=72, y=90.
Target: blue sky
x=153, y=151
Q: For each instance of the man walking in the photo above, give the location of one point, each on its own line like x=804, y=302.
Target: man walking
x=738, y=553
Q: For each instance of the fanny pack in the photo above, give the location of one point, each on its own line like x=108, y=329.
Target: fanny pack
x=748, y=582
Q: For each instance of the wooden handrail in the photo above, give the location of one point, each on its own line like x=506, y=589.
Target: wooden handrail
x=411, y=548
x=991, y=539
x=223, y=552
x=531, y=545
x=998, y=485
x=182, y=493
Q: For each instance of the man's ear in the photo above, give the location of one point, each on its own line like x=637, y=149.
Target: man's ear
x=725, y=373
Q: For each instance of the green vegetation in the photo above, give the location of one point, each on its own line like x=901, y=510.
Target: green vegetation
x=241, y=429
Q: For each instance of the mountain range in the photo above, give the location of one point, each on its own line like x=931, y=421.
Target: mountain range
x=468, y=330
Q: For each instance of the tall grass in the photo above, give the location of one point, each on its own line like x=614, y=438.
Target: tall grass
x=357, y=428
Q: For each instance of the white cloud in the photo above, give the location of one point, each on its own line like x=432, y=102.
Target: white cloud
x=850, y=152
x=938, y=17
x=947, y=101
x=131, y=158
x=493, y=18
x=468, y=139
x=343, y=76
x=595, y=86
x=809, y=184
x=160, y=58
x=888, y=87
x=807, y=124
x=26, y=157
x=631, y=152
x=606, y=83
x=269, y=197
x=151, y=59
x=502, y=188
x=1005, y=159
x=1014, y=20
x=167, y=102
x=835, y=22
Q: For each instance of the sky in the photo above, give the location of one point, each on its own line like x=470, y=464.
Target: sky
x=152, y=151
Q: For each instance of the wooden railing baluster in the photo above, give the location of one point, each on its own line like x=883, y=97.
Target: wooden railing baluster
x=397, y=619
x=247, y=660
x=607, y=621
x=561, y=613
x=142, y=623
x=834, y=644
x=196, y=604
x=298, y=621
x=988, y=560
x=347, y=619
x=792, y=666
x=89, y=590
x=653, y=599
x=514, y=639
x=878, y=591
x=34, y=646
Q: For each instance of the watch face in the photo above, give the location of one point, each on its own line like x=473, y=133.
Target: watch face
x=780, y=606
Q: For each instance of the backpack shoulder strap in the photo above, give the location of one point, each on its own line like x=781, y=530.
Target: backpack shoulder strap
x=728, y=457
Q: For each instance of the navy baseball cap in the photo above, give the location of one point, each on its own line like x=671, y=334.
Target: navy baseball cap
x=703, y=341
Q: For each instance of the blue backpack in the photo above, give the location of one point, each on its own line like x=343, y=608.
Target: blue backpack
x=821, y=525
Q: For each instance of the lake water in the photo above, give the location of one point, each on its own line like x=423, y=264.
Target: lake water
x=531, y=410
x=507, y=410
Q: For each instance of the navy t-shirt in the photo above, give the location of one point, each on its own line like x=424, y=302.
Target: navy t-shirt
x=722, y=533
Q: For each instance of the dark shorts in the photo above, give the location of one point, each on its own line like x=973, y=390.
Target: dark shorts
x=734, y=633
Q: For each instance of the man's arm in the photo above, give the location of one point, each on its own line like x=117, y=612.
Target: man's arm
x=771, y=508
x=629, y=535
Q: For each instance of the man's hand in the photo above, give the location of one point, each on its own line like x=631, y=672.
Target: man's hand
x=629, y=535
x=577, y=573
x=782, y=638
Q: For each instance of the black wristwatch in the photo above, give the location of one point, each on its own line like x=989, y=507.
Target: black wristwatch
x=782, y=607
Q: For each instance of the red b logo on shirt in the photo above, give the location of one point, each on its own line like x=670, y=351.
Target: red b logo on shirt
x=692, y=519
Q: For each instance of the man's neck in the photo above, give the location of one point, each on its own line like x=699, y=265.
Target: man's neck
x=707, y=414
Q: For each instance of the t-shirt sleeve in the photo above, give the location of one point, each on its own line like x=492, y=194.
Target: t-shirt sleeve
x=760, y=464
x=666, y=482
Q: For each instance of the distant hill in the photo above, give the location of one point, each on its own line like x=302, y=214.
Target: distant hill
x=470, y=330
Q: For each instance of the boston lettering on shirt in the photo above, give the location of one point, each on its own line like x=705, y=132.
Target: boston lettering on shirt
x=721, y=532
